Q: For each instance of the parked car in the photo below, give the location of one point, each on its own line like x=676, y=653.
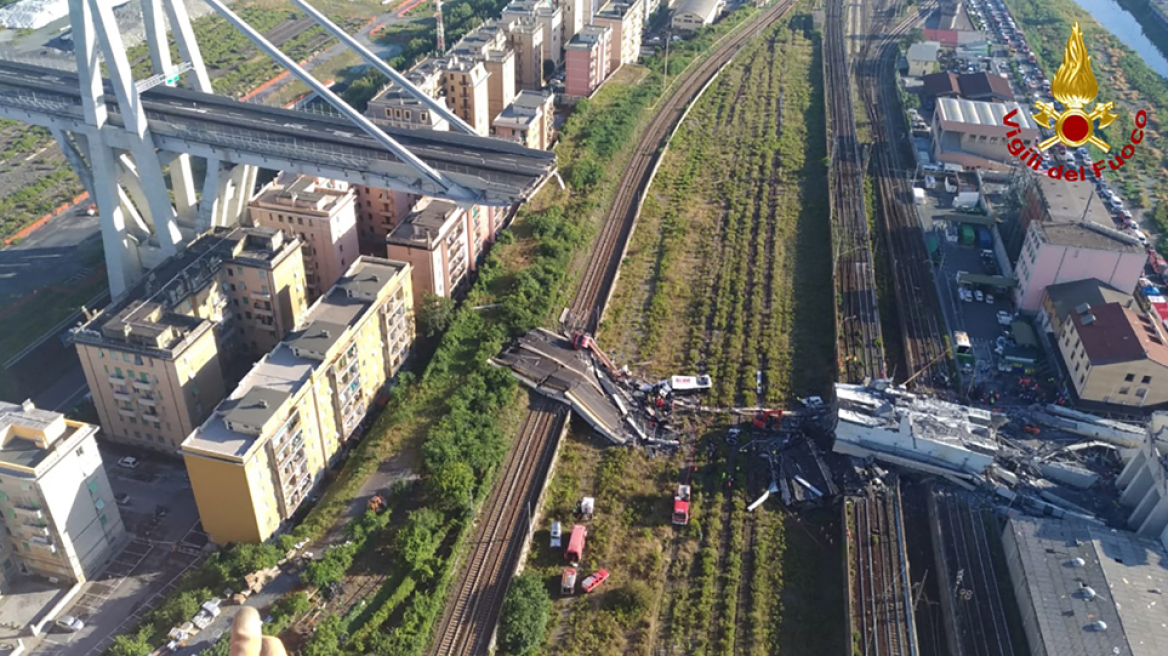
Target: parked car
x=122, y=499
x=989, y=299
x=69, y=623
x=594, y=580
x=1005, y=318
x=556, y=535
x=978, y=295
x=129, y=462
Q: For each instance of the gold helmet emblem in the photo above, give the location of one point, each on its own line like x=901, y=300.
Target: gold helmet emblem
x=1074, y=86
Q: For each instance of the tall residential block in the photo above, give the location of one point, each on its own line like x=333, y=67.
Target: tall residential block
x=577, y=14
x=626, y=18
x=527, y=39
x=57, y=506
x=490, y=45
x=394, y=107
x=589, y=57
x=442, y=243
x=1054, y=253
x=154, y=359
x=263, y=450
x=529, y=120
x=322, y=213
x=464, y=84
x=379, y=211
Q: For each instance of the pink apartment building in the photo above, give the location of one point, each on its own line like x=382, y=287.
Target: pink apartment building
x=1055, y=253
x=588, y=58
x=443, y=243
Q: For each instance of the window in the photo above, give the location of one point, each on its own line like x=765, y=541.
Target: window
x=1142, y=392
x=92, y=485
x=1129, y=378
x=125, y=357
x=3, y=496
x=263, y=289
x=103, y=520
x=101, y=353
x=99, y=504
x=138, y=434
x=1145, y=380
x=138, y=360
x=299, y=220
x=26, y=547
x=80, y=451
x=230, y=271
x=263, y=275
x=1124, y=391
x=1076, y=368
x=142, y=376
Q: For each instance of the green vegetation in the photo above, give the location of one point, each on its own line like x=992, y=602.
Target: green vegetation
x=726, y=268
x=524, y=615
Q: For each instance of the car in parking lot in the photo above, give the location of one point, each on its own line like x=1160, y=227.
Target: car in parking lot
x=594, y=580
x=69, y=623
x=1005, y=318
x=978, y=295
x=965, y=294
x=129, y=462
x=122, y=499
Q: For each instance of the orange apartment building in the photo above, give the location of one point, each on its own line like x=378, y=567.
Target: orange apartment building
x=442, y=243
x=322, y=213
x=589, y=57
x=529, y=120
x=154, y=360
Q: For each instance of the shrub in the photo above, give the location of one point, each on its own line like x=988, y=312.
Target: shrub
x=525, y=614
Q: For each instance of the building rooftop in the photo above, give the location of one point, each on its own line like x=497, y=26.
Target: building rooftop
x=1088, y=235
x=29, y=435
x=1068, y=201
x=616, y=9
x=299, y=193
x=940, y=84
x=978, y=112
x=1092, y=292
x=1112, y=333
x=926, y=51
x=423, y=226
x=281, y=374
x=699, y=7
x=144, y=317
x=1127, y=575
x=523, y=112
x=588, y=36
x=983, y=84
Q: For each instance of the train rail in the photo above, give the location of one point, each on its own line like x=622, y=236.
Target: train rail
x=473, y=605
x=882, y=621
x=916, y=296
x=587, y=308
x=858, y=334
x=472, y=611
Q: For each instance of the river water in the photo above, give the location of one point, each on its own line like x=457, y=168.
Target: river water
x=1124, y=26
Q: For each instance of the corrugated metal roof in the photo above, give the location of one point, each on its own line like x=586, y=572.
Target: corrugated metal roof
x=977, y=112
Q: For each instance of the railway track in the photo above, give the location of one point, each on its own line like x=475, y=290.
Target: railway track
x=858, y=335
x=472, y=607
x=587, y=307
x=916, y=295
x=472, y=610
x=882, y=616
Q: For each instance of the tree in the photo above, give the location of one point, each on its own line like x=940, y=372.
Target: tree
x=418, y=540
x=326, y=640
x=549, y=68
x=179, y=609
x=452, y=484
x=434, y=314
x=525, y=614
x=131, y=644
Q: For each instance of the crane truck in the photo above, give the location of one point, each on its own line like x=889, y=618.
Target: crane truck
x=681, y=506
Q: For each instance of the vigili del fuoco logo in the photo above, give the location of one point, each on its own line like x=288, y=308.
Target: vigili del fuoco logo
x=1074, y=86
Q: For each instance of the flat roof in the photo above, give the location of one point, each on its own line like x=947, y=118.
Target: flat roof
x=1127, y=573
x=1112, y=333
x=18, y=420
x=926, y=51
x=1069, y=201
x=978, y=112
x=423, y=226
x=1088, y=235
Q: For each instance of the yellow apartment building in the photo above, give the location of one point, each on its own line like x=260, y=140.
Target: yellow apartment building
x=529, y=120
x=260, y=454
x=1116, y=355
x=322, y=213
x=154, y=359
x=464, y=84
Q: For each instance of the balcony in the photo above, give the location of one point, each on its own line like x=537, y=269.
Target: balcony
x=122, y=396
x=37, y=529
x=115, y=379
x=147, y=401
x=127, y=412
x=43, y=543
x=29, y=513
x=143, y=385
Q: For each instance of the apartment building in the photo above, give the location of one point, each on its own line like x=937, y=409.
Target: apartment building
x=490, y=45
x=442, y=242
x=265, y=448
x=379, y=211
x=464, y=84
x=529, y=120
x=394, y=107
x=547, y=16
x=1116, y=355
x=588, y=58
x=57, y=506
x=322, y=213
x=577, y=14
x=528, y=43
x=154, y=359
x=626, y=18
x=1054, y=253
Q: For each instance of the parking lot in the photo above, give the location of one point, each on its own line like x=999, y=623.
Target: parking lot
x=166, y=540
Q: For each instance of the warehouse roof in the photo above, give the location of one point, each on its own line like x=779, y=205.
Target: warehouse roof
x=1088, y=235
x=1112, y=333
x=1058, y=560
x=926, y=51
x=977, y=112
x=703, y=8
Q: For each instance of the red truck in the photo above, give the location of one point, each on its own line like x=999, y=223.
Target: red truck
x=681, y=506
x=575, y=550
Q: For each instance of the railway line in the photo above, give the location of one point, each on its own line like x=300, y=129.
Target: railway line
x=858, y=335
x=472, y=607
x=498, y=536
x=587, y=307
x=916, y=298
x=882, y=622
